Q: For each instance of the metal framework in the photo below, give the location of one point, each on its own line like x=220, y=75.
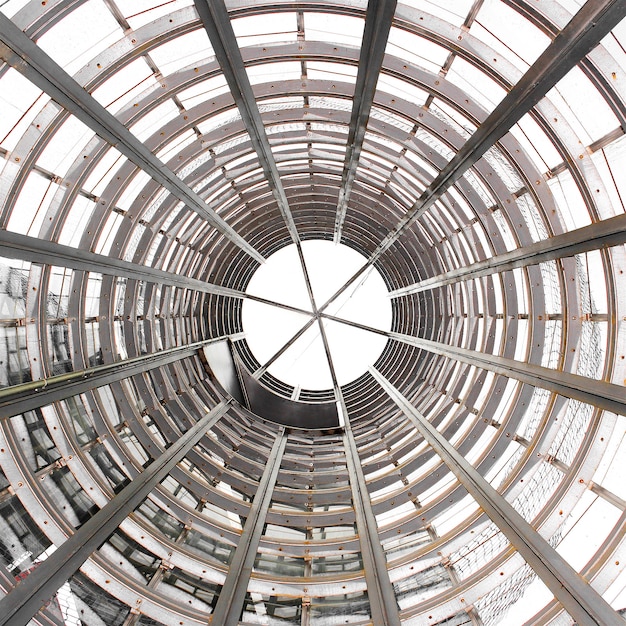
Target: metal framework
x=228, y=608
x=377, y=25
x=584, y=604
x=19, y=51
x=472, y=156
x=20, y=606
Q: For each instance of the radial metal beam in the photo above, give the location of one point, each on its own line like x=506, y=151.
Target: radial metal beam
x=599, y=393
x=380, y=592
x=575, y=594
x=377, y=26
x=233, y=594
x=37, y=393
x=583, y=33
x=216, y=21
x=26, y=599
x=285, y=347
x=17, y=246
x=19, y=51
x=603, y=234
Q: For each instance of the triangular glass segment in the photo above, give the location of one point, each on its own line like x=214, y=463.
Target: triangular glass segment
x=305, y=363
x=280, y=279
x=353, y=350
x=268, y=328
x=329, y=266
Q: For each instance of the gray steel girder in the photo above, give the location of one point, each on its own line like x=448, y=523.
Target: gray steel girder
x=233, y=594
x=576, y=595
x=377, y=26
x=25, y=56
x=21, y=604
x=606, y=233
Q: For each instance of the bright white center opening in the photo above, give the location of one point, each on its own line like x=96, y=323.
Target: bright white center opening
x=268, y=328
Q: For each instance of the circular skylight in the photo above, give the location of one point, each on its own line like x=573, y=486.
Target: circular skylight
x=269, y=328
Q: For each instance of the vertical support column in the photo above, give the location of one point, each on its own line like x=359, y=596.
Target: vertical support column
x=233, y=594
x=383, y=603
x=20, y=605
x=576, y=596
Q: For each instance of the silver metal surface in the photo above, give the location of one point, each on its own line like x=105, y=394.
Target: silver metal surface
x=233, y=594
x=377, y=25
x=20, y=52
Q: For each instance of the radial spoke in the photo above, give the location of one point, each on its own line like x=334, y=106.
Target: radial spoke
x=606, y=233
x=18, y=246
x=599, y=393
x=284, y=348
x=575, y=594
x=581, y=35
x=377, y=26
x=218, y=26
x=24, y=55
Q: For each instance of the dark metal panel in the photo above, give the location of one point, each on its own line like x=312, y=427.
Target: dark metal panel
x=281, y=410
x=220, y=359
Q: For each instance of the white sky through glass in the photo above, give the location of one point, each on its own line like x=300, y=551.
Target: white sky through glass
x=268, y=328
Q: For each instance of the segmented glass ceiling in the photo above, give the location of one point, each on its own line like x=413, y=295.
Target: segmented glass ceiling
x=154, y=155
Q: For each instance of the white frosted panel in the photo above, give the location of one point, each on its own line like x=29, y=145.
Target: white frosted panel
x=125, y=85
x=182, y=52
x=583, y=107
x=264, y=29
x=415, y=49
x=509, y=33
x=80, y=36
x=66, y=144
x=333, y=28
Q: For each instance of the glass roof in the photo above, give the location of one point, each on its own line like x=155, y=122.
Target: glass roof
x=470, y=155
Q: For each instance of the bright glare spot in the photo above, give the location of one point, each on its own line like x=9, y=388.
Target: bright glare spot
x=268, y=328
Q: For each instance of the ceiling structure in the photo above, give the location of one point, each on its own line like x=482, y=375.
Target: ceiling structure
x=154, y=470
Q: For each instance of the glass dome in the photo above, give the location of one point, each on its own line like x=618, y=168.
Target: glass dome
x=155, y=470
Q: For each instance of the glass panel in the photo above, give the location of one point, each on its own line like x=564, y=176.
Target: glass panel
x=94, y=604
x=349, y=608
x=127, y=83
x=340, y=29
x=271, y=610
x=21, y=541
x=18, y=110
x=584, y=108
x=509, y=33
x=416, y=49
x=71, y=45
x=140, y=12
x=184, y=51
x=265, y=28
